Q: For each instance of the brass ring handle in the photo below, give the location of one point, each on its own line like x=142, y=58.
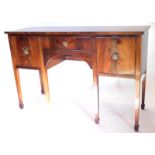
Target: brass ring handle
x=115, y=56
x=65, y=43
x=25, y=50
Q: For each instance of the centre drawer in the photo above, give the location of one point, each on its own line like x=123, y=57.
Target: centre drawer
x=70, y=43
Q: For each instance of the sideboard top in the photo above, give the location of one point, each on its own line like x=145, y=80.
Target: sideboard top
x=81, y=29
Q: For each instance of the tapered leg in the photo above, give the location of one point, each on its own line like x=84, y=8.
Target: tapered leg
x=18, y=86
x=41, y=83
x=137, y=77
x=143, y=91
x=136, y=127
x=137, y=105
x=95, y=81
x=44, y=83
x=97, y=116
x=96, y=91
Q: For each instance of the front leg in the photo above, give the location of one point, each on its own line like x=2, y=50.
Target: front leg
x=96, y=92
x=18, y=86
x=137, y=77
x=137, y=105
x=95, y=81
x=41, y=82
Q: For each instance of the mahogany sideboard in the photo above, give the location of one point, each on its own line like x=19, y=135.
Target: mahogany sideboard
x=108, y=50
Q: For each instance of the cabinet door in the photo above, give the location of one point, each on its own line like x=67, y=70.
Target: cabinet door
x=116, y=56
x=25, y=51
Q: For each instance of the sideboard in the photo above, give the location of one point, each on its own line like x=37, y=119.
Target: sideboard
x=108, y=50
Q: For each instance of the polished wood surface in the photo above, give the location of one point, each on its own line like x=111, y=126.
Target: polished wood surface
x=32, y=58
x=111, y=53
x=116, y=56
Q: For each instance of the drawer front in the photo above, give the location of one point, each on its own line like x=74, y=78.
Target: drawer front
x=25, y=51
x=116, y=56
x=68, y=43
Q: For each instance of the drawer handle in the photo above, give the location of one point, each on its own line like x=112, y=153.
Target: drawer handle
x=65, y=43
x=25, y=50
x=115, y=56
